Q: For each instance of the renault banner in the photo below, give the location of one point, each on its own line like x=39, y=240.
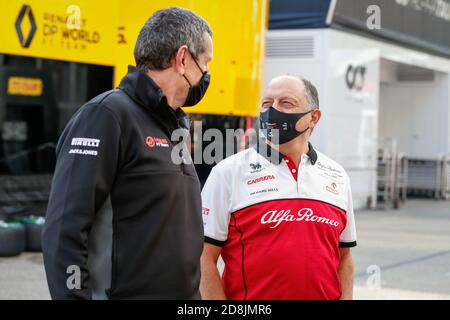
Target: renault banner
x=77, y=31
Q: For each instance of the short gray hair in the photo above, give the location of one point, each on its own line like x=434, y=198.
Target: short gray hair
x=312, y=96
x=164, y=33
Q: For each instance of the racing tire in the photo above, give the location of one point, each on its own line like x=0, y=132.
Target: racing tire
x=12, y=239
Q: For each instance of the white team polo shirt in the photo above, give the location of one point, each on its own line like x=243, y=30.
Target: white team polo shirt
x=280, y=227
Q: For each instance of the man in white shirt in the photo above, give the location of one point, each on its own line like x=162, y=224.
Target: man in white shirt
x=280, y=214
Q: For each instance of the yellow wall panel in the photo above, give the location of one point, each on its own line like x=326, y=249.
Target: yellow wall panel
x=81, y=31
x=108, y=30
x=239, y=28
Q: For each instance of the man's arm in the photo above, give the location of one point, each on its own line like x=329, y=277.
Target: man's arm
x=346, y=274
x=210, y=283
x=216, y=198
x=87, y=160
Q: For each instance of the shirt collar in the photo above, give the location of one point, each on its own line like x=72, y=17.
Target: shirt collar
x=141, y=88
x=145, y=92
x=274, y=156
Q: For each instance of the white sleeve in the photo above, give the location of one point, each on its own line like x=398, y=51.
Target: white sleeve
x=348, y=235
x=216, y=197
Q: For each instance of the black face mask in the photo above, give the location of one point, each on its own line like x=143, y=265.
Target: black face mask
x=272, y=119
x=197, y=92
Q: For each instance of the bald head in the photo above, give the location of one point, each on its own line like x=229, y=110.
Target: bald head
x=290, y=90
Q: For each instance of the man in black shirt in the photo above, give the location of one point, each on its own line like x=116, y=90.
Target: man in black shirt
x=124, y=219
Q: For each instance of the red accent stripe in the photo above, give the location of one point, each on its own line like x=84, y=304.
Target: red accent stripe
x=291, y=165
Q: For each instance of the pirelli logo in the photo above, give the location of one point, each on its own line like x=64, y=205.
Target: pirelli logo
x=85, y=142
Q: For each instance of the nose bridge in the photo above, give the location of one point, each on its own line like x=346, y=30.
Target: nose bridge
x=276, y=104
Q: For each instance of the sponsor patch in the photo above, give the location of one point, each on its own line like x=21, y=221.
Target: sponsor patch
x=84, y=152
x=332, y=188
x=156, y=142
x=86, y=142
x=261, y=179
x=274, y=218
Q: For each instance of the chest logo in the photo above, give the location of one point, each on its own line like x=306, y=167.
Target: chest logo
x=256, y=167
x=261, y=179
x=156, y=142
x=332, y=188
x=274, y=218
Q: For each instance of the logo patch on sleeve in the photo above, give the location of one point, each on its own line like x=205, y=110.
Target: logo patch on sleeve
x=85, y=142
x=156, y=142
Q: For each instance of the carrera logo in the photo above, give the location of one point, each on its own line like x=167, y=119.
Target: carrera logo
x=205, y=211
x=260, y=179
x=332, y=188
x=156, y=142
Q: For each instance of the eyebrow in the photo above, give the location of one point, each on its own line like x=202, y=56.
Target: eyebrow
x=281, y=99
x=289, y=98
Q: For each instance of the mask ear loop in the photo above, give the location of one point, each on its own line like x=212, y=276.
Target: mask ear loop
x=292, y=124
x=198, y=66
x=302, y=132
x=190, y=85
x=201, y=70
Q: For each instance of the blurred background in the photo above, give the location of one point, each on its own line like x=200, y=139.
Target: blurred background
x=381, y=68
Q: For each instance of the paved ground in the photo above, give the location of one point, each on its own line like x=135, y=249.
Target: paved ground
x=23, y=277
x=410, y=247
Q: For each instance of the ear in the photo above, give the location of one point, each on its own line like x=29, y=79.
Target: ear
x=179, y=60
x=315, y=117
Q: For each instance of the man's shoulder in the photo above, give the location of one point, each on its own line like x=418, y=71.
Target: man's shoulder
x=114, y=102
x=231, y=163
x=101, y=102
x=92, y=109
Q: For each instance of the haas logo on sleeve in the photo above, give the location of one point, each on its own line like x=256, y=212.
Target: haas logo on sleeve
x=156, y=142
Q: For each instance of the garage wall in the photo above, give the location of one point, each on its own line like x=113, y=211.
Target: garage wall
x=416, y=114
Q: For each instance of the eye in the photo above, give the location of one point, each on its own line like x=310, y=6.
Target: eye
x=287, y=103
x=266, y=104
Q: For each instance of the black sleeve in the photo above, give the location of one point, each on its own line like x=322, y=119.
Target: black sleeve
x=87, y=161
x=347, y=244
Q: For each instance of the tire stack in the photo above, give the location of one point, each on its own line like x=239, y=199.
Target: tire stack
x=21, y=234
x=12, y=239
